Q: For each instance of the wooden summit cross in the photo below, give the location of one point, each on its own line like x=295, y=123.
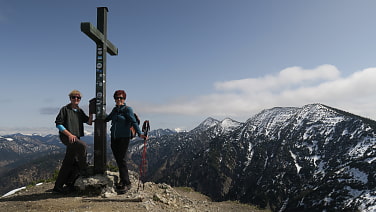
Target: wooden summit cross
x=99, y=36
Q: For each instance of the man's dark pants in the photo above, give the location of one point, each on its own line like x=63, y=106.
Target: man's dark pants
x=74, y=161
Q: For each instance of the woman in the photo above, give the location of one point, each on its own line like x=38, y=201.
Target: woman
x=122, y=118
x=70, y=122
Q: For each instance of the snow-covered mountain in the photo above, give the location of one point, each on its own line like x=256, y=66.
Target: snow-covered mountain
x=42, y=131
x=161, y=132
x=227, y=125
x=207, y=123
x=313, y=158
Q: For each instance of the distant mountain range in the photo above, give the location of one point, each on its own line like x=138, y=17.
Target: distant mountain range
x=313, y=158
x=42, y=131
x=27, y=158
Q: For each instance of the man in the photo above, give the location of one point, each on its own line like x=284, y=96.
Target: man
x=70, y=122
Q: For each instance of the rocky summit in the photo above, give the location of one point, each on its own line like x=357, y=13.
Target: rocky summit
x=146, y=197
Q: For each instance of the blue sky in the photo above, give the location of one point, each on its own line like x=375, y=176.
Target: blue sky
x=181, y=61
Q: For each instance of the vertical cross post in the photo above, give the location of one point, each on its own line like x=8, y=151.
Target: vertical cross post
x=99, y=36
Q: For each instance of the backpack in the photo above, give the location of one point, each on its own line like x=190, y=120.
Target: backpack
x=133, y=130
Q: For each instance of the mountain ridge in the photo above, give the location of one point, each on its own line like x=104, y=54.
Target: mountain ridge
x=279, y=158
x=313, y=157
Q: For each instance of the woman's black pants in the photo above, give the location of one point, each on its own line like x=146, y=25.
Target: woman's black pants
x=119, y=148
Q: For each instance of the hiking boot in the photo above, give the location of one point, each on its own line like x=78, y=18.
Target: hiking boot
x=120, y=186
x=70, y=189
x=59, y=190
x=122, y=189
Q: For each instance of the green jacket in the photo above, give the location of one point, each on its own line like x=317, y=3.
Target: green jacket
x=72, y=120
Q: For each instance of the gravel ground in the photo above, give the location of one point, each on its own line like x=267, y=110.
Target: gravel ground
x=154, y=197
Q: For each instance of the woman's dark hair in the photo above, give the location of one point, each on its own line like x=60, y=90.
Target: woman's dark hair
x=120, y=92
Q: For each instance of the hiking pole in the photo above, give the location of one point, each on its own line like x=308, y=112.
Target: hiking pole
x=143, y=168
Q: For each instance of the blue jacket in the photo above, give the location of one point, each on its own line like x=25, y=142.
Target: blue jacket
x=122, y=118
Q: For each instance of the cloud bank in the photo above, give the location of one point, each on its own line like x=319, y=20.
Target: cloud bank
x=293, y=86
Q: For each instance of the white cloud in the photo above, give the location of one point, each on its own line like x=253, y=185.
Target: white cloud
x=292, y=86
x=293, y=76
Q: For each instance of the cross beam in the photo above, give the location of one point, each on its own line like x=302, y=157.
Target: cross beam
x=99, y=36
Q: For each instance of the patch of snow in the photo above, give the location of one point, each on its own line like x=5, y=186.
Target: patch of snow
x=14, y=191
x=370, y=160
x=249, y=156
x=328, y=200
x=321, y=168
x=353, y=192
x=18, y=189
x=179, y=130
x=368, y=202
x=314, y=158
x=296, y=164
x=358, y=175
x=361, y=147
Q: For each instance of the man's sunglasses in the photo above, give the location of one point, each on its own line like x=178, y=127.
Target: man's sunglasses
x=75, y=97
x=116, y=98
